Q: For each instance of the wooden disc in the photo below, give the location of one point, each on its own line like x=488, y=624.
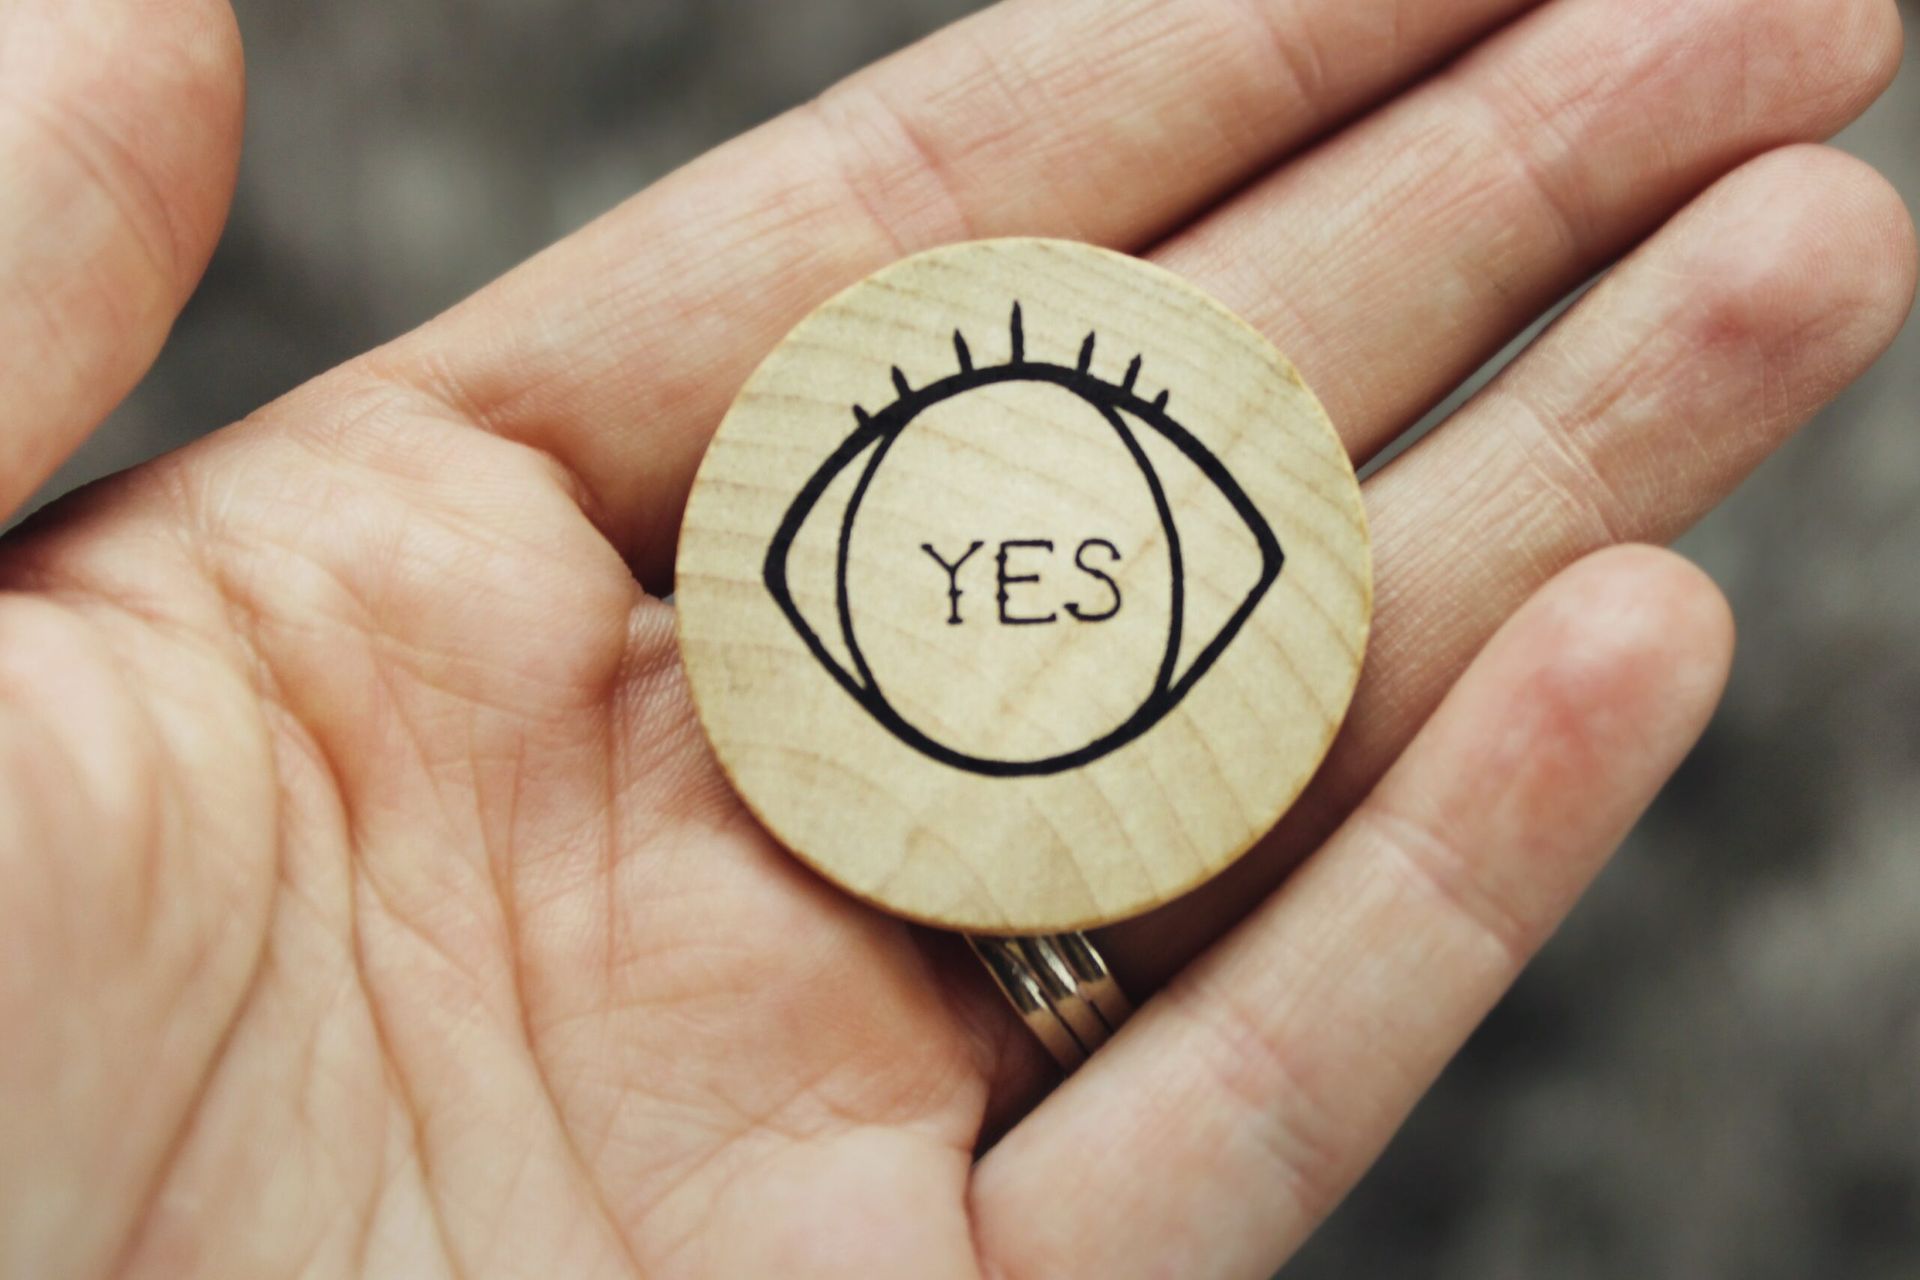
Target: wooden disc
x=1023, y=587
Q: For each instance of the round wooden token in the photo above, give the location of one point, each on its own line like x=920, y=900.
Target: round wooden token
x=1023, y=587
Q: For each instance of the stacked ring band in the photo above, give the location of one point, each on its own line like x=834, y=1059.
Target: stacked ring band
x=1061, y=989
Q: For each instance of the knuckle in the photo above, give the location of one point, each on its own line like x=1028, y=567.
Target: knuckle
x=1559, y=701
x=1270, y=1087
x=892, y=167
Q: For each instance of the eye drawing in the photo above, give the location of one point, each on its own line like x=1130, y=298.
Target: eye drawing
x=1097, y=559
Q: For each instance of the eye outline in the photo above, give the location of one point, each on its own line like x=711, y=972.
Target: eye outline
x=878, y=432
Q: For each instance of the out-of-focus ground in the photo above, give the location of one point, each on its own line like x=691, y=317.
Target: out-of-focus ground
x=1713, y=1072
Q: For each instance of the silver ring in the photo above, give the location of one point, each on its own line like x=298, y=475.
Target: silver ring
x=1061, y=989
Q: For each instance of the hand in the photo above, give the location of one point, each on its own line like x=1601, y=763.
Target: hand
x=369, y=903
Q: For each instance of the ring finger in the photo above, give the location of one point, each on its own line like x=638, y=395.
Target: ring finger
x=1629, y=420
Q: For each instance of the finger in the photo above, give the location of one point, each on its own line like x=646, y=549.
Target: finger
x=626, y=394
x=618, y=350
x=1628, y=421
x=119, y=136
x=1393, y=262
x=1240, y=1105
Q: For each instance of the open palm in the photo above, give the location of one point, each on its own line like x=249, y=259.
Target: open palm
x=369, y=903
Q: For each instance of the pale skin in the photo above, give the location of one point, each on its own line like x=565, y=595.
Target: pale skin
x=369, y=903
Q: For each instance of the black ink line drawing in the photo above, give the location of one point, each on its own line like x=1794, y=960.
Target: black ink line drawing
x=1114, y=402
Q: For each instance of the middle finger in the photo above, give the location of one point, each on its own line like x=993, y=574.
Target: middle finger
x=1394, y=260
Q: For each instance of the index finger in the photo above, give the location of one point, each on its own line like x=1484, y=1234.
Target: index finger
x=617, y=350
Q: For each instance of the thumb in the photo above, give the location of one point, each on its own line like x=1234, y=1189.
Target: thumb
x=119, y=135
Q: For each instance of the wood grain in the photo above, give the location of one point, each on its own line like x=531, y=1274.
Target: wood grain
x=1023, y=587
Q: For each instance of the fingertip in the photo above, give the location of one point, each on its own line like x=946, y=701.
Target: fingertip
x=1856, y=225
x=178, y=103
x=1592, y=692
x=1826, y=252
x=1851, y=49
x=1652, y=599
x=144, y=100
x=1871, y=42
x=120, y=134
x=1885, y=238
x=1639, y=629
x=214, y=55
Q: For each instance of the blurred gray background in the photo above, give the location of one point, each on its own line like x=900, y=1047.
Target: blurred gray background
x=1713, y=1071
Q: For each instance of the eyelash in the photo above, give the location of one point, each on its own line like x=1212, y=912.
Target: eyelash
x=909, y=402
